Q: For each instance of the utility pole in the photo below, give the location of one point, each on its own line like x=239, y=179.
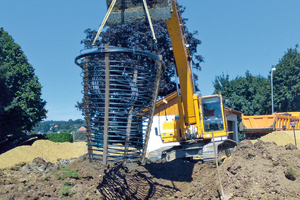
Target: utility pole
x=293, y=124
x=272, y=99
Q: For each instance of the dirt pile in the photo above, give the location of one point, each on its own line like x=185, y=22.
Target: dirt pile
x=262, y=170
x=80, y=179
x=282, y=138
x=49, y=151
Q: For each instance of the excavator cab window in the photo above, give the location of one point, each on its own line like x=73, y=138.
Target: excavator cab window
x=212, y=114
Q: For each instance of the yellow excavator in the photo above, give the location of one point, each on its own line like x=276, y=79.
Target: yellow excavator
x=201, y=119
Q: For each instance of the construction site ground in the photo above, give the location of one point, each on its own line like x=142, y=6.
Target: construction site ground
x=268, y=168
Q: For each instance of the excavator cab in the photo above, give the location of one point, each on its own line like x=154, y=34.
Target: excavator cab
x=212, y=114
x=135, y=11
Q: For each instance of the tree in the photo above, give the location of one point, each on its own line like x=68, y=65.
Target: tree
x=249, y=94
x=59, y=137
x=286, y=82
x=21, y=105
x=139, y=36
x=54, y=126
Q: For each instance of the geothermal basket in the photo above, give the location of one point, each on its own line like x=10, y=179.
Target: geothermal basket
x=120, y=92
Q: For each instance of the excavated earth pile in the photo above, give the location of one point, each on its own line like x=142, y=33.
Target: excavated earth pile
x=260, y=171
x=49, y=151
x=263, y=170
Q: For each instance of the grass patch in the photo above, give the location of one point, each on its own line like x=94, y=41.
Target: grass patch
x=219, y=162
x=290, y=174
x=69, y=184
x=65, y=173
x=66, y=189
x=199, y=180
x=70, y=173
x=286, y=164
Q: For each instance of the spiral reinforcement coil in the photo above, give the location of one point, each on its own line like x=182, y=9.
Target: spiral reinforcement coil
x=133, y=86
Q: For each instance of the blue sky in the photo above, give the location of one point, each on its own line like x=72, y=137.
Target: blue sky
x=236, y=36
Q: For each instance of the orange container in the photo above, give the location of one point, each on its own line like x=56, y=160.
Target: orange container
x=267, y=123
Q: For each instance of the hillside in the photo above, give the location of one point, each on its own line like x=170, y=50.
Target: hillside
x=58, y=126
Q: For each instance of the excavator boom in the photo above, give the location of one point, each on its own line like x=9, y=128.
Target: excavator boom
x=183, y=63
x=133, y=11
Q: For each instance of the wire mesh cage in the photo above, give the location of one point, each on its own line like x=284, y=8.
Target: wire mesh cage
x=120, y=91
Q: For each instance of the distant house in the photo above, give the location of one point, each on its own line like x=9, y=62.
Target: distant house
x=79, y=135
x=166, y=110
x=82, y=129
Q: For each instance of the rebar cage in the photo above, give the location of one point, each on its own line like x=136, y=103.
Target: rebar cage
x=120, y=91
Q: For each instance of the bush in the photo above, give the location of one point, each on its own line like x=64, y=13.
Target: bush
x=290, y=174
x=59, y=137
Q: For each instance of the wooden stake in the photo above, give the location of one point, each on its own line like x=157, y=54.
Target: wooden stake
x=86, y=108
x=217, y=163
x=152, y=107
x=129, y=121
x=106, y=110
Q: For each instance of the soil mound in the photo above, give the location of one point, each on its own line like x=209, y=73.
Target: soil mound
x=263, y=170
x=49, y=151
x=281, y=138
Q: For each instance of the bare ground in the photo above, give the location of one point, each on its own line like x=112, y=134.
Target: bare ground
x=260, y=171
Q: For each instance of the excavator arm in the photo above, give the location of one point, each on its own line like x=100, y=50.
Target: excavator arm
x=133, y=11
x=183, y=63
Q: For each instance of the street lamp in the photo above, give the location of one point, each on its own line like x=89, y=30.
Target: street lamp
x=293, y=124
x=273, y=69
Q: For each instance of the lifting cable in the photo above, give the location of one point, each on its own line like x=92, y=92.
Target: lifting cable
x=104, y=20
x=108, y=13
x=149, y=19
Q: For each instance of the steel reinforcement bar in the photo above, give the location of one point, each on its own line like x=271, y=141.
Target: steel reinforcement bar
x=120, y=89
